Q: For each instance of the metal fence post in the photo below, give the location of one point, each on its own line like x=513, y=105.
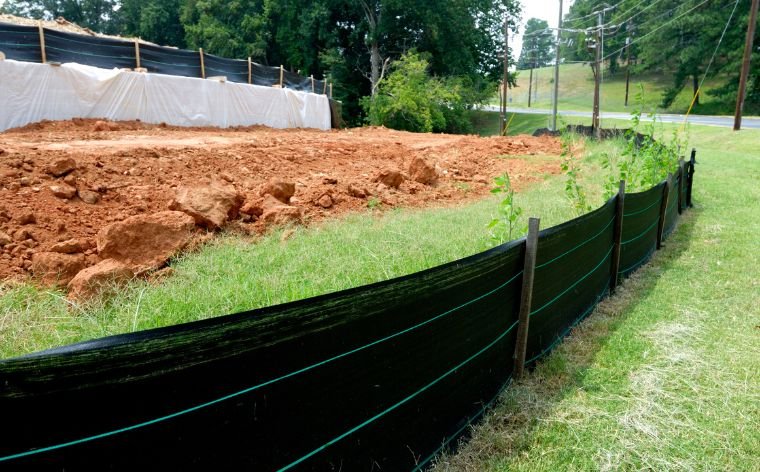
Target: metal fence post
x=692, y=163
x=619, y=210
x=663, y=210
x=681, y=177
x=526, y=296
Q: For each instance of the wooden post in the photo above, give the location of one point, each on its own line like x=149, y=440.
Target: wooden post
x=324, y=90
x=663, y=210
x=692, y=163
x=282, y=76
x=618, y=236
x=203, y=66
x=681, y=177
x=529, y=268
x=250, y=72
x=137, y=54
x=745, y=64
x=312, y=83
x=331, y=90
x=43, y=53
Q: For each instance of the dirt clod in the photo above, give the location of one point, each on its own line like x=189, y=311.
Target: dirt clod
x=53, y=268
x=89, y=282
x=64, y=191
x=423, y=172
x=390, y=178
x=146, y=242
x=72, y=246
x=325, y=201
x=279, y=189
x=88, y=196
x=61, y=167
x=210, y=206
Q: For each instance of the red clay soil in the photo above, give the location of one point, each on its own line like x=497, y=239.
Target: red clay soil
x=136, y=168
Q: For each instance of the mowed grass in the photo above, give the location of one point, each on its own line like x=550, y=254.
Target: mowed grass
x=665, y=375
x=576, y=92
x=235, y=274
x=486, y=123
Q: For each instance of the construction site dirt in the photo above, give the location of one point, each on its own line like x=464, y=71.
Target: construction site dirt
x=67, y=181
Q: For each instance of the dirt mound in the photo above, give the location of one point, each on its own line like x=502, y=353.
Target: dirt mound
x=128, y=169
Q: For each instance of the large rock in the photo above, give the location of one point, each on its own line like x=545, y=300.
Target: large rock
x=61, y=167
x=53, y=268
x=91, y=281
x=210, y=206
x=391, y=178
x=72, y=246
x=279, y=189
x=64, y=191
x=278, y=213
x=5, y=239
x=421, y=171
x=146, y=242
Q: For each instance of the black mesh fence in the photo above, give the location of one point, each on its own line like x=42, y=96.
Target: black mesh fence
x=25, y=43
x=380, y=377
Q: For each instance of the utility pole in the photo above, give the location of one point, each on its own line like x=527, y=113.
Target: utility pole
x=595, y=122
x=556, y=71
x=532, y=65
x=745, y=65
x=505, y=79
x=627, y=61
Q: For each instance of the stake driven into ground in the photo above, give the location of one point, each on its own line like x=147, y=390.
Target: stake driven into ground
x=665, y=375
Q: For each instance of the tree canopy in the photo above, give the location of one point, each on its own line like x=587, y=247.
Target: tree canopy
x=538, y=45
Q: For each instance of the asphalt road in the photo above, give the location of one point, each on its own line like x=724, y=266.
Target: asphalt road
x=723, y=121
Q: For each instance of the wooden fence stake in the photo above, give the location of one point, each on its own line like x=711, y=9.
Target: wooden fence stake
x=43, y=53
x=681, y=177
x=250, y=72
x=663, y=210
x=312, y=83
x=137, y=54
x=692, y=163
x=331, y=88
x=619, y=210
x=203, y=66
x=324, y=90
x=526, y=296
x=282, y=76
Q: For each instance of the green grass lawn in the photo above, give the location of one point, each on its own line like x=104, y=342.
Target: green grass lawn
x=576, y=90
x=665, y=375
x=486, y=123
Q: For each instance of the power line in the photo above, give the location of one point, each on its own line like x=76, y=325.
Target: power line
x=641, y=38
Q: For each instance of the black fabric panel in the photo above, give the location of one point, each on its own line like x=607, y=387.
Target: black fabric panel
x=163, y=60
x=573, y=265
x=233, y=69
x=266, y=76
x=641, y=216
x=89, y=50
x=671, y=214
x=20, y=43
x=296, y=82
x=374, y=377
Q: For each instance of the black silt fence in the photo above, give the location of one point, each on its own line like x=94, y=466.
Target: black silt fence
x=26, y=43
x=380, y=377
x=90, y=51
x=20, y=43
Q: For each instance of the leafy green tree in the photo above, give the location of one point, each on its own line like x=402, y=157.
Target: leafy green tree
x=98, y=15
x=157, y=21
x=538, y=45
x=234, y=29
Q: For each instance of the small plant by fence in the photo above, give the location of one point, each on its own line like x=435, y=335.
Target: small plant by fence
x=42, y=45
x=384, y=375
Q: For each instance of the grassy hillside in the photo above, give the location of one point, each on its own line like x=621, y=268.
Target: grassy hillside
x=576, y=91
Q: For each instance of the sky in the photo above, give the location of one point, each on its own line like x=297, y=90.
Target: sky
x=544, y=9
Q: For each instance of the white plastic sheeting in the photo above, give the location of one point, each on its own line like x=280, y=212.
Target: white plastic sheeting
x=32, y=92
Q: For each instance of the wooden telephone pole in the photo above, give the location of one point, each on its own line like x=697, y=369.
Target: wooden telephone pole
x=627, y=61
x=745, y=65
x=505, y=79
x=595, y=122
x=532, y=66
x=556, y=71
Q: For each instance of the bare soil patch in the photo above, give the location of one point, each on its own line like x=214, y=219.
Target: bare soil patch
x=68, y=180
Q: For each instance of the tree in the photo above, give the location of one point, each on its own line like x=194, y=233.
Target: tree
x=157, y=21
x=538, y=45
x=229, y=29
x=98, y=15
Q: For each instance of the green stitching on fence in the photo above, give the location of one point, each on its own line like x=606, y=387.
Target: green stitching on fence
x=124, y=44
x=576, y=247
x=397, y=404
x=255, y=387
x=576, y=283
x=643, y=233
x=143, y=60
x=659, y=201
x=575, y=323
